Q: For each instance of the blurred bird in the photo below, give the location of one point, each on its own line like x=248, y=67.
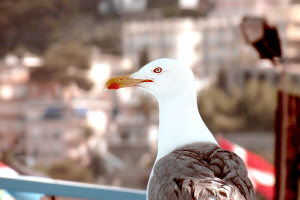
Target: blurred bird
x=189, y=165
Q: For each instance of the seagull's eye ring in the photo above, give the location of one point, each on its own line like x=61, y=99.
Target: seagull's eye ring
x=157, y=70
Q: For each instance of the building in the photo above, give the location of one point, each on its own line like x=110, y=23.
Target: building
x=204, y=44
x=13, y=78
x=34, y=116
x=287, y=20
x=208, y=44
x=246, y=7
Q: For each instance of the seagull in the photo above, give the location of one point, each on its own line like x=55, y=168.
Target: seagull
x=190, y=165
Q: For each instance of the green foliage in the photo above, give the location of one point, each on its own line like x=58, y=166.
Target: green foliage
x=162, y=3
x=32, y=23
x=65, y=62
x=64, y=54
x=192, y=13
x=108, y=43
x=57, y=30
x=176, y=12
x=293, y=86
x=69, y=170
x=97, y=164
x=87, y=132
x=219, y=110
x=222, y=79
x=171, y=12
x=249, y=110
x=258, y=105
x=19, y=24
x=89, y=6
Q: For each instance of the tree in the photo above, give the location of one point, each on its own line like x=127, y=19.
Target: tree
x=251, y=109
x=108, y=43
x=66, y=62
x=89, y=6
x=69, y=170
x=32, y=23
x=162, y=3
x=25, y=23
x=222, y=79
x=218, y=110
x=258, y=105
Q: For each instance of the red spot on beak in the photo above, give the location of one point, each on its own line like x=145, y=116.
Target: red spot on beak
x=114, y=86
x=147, y=80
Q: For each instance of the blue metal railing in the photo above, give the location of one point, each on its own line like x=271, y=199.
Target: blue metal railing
x=60, y=188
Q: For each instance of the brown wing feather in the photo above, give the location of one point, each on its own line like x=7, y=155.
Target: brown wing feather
x=194, y=189
x=200, y=171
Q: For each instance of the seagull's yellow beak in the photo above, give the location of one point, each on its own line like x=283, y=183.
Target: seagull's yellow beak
x=124, y=81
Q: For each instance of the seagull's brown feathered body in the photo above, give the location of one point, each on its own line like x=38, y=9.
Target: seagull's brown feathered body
x=200, y=171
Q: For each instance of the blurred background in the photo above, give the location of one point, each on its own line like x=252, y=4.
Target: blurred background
x=56, y=119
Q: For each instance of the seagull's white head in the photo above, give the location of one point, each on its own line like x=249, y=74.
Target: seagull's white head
x=162, y=78
x=172, y=83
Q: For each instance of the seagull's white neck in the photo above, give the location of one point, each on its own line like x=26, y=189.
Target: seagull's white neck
x=180, y=122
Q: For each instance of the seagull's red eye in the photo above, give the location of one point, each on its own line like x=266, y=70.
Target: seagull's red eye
x=157, y=70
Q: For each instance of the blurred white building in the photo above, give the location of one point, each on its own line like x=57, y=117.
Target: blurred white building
x=203, y=44
x=13, y=78
x=39, y=122
x=188, y=4
x=207, y=44
x=121, y=6
x=246, y=7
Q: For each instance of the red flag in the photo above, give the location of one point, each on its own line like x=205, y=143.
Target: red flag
x=261, y=173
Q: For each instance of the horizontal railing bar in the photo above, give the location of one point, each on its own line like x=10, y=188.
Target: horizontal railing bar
x=53, y=187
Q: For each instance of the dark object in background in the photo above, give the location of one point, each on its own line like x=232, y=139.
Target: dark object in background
x=292, y=160
x=53, y=113
x=263, y=37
